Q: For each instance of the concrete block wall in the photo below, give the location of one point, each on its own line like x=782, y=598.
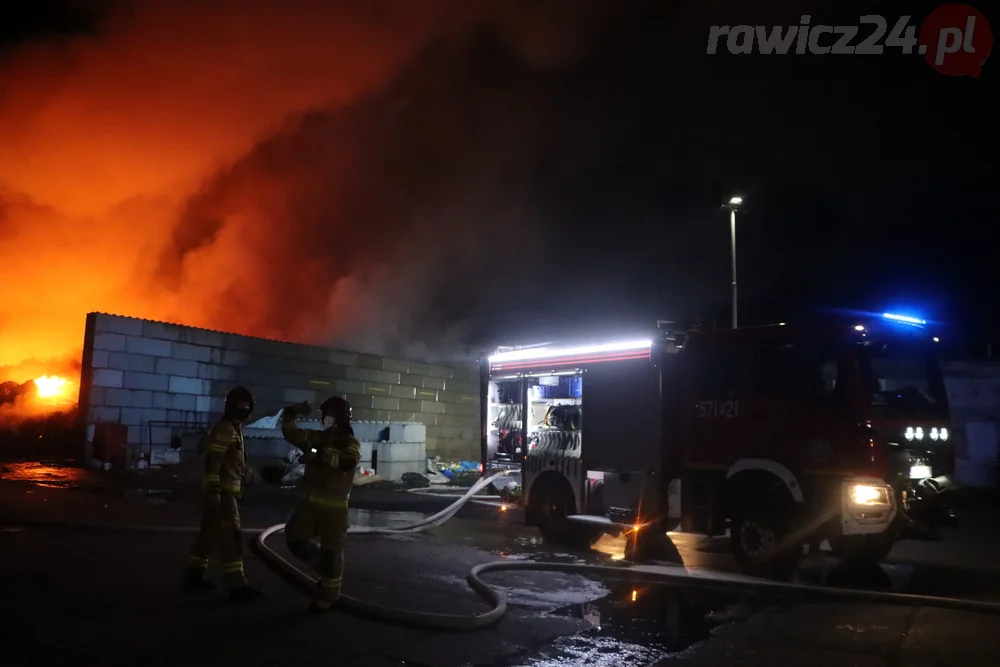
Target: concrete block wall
x=158, y=378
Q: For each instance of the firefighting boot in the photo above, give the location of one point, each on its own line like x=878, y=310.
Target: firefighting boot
x=195, y=581
x=245, y=594
x=320, y=606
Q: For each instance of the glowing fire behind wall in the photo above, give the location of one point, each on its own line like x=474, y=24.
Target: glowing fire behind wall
x=140, y=166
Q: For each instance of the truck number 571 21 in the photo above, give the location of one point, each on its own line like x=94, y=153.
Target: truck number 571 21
x=718, y=409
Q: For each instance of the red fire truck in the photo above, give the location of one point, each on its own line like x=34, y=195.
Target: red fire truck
x=783, y=435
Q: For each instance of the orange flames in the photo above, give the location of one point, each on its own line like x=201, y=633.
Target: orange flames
x=133, y=178
x=53, y=388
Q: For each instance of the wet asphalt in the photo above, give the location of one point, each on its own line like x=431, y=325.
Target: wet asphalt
x=616, y=623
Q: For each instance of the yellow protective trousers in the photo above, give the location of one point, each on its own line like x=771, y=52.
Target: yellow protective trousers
x=220, y=527
x=323, y=516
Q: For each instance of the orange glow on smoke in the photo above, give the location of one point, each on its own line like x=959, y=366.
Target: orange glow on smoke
x=119, y=147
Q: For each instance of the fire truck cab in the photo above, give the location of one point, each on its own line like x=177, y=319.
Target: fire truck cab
x=784, y=435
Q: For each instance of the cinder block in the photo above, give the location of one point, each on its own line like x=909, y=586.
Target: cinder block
x=366, y=431
x=460, y=409
x=209, y=404
x=99, y=359
x=432, y=407
x=408, y=432
x=136, y=435
x=376, y=389
x=439, y=372
x=461, y=387
x=428, y=382
x=342, y=358
x=200, y=337
x=366, y=451
x=148, y=381
x=188, y=352
x=123, y=361
x=385, y=403
x=299, y=395
x=109, y=341
x=369, y=361
x=399, y=391
x=455, y=397
x=160, y=330
x=190, y=417
x=129, y=398
x=368, y=414
x=179, y=367
x=395, y=365
x=99, y=414
x=426, y=418
x=103, y=377
x=393, y=452
x=427, y=394
x=119, y=325
x=359, y=401
x=449, y=420
x=411, y=380
x=409, y=405
x=139, y=416
x=149, y=346
x=348, y=386
x=371, y=375
x=235, y=358
x=169, y=401
x=215, y=372
x=314, y=353
x=184, y=385
x=97, y=396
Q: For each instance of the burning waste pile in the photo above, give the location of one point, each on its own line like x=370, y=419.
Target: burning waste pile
x=37, y=412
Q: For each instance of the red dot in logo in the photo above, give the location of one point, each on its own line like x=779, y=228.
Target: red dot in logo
x=956, y=40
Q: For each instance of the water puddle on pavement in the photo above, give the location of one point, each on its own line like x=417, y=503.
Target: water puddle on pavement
x=633, y=626
x=43, y=474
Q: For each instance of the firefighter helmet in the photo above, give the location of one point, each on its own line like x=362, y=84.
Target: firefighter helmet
x=239, y=403
x=338, y=408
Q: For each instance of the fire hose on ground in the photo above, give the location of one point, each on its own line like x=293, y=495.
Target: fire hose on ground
x=654, y=575
x=638, y=574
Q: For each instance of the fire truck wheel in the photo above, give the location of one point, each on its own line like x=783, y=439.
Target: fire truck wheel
x=552, y=504
x=862, y=548
x=757, y=539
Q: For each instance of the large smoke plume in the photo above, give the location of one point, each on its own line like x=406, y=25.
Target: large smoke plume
x=311, y=171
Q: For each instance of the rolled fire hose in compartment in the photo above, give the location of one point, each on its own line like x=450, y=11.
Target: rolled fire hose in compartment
x=656, y=575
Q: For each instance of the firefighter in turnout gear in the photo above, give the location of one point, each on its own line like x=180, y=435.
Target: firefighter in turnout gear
x=225, y=466
x=331, y=457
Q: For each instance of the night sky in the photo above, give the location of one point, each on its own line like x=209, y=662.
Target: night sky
x=869, y=181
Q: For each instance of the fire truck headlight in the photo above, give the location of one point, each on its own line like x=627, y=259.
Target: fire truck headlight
x=943, y=434
x=909, y=433
x=934, y=434
x=868, y=494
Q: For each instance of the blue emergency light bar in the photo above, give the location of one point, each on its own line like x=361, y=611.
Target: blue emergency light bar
x=904, y=319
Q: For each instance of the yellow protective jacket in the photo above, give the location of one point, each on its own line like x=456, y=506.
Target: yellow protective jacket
x=225, y=460
x=331, y=456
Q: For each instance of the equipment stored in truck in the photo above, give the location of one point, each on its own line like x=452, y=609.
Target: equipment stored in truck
x=783, y=435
